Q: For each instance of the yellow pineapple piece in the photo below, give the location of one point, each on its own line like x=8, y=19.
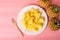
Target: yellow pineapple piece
x=31, y=10
x=41, y=20
x=29, y=28
x=35, y=29
x=37, y=15
x=39, y=26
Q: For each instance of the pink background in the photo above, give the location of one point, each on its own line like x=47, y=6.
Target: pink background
x=11, y=8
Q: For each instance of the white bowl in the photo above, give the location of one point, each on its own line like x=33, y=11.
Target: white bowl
x=19, y=18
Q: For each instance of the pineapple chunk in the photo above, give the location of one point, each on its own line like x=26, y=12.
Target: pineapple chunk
x=35, y=29
x=41, y=20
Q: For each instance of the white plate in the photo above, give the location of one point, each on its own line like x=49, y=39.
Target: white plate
x=19, y=18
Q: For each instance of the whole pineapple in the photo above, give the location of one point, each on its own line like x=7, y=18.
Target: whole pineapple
x=54, y=24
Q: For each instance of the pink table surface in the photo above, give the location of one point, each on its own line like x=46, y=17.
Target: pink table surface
x=11, y=8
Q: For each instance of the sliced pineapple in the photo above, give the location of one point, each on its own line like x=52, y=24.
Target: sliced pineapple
x=33, y=20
